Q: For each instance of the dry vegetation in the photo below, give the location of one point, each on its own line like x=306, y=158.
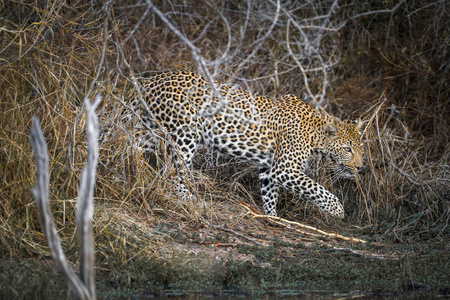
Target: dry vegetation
x=385, y=62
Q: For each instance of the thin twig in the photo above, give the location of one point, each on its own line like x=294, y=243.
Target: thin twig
x=381, y=100
x=239, y=234
x=261, y=40
x=408, y=177
x=380, y=11
x=299, y=64
x=93, y=83
x=306, y=228
x=358, y=183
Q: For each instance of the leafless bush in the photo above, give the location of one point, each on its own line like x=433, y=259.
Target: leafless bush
x=309, y=47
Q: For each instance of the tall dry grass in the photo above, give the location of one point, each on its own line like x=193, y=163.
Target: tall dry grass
x=51, y=58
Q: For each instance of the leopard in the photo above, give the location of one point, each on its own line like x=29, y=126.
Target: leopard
x=279, y=135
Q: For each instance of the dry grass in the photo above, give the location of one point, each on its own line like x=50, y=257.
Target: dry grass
x=51, y=56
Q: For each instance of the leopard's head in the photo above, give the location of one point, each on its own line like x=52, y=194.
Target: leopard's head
x=344, y=146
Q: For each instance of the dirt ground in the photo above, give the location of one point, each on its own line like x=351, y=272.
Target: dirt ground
x=245, y=257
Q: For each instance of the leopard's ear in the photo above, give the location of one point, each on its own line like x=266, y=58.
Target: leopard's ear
x=360, y=125
x=330, y=129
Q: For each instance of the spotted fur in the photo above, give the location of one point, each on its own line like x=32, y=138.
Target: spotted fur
x=279, y=135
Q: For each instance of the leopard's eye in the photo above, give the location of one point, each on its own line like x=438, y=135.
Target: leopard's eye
x=348, y=149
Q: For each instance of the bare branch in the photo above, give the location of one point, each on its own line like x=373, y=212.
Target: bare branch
x=299, y=64
x=260, y=41
x=41, y=195
x=302, y=228
x=84, y=289
x=380, y=11
x=136, y=27
x=85, y=208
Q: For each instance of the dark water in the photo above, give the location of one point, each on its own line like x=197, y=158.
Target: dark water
x=325, y=291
